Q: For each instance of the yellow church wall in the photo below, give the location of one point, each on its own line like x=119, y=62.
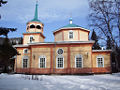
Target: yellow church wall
x=47, y=52
x=85, y=51
x=36, y=53
x=70, y=51
x=20, y=57
x=64, y=55
x=37, y=38
x=83, y=36
x=78, y=35
x=58, y=37
x=106, y=55
x=75, y=35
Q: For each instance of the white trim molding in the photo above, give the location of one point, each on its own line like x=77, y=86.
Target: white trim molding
x=76, y=56
x=99, y=56
x=30, y=37
x=69, y=34
x=59, y=56
x=59, y=49
x=25, y=57
x=24, y=50
x=42, y=56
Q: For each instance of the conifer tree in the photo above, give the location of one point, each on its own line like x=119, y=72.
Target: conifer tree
x=7, y=51
x=95, y=38
x=108, y=43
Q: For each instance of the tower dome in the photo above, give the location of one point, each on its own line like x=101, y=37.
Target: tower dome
x=36, y=14
x=35, y=25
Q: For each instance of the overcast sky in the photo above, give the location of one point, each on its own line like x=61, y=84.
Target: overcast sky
x=53, y=13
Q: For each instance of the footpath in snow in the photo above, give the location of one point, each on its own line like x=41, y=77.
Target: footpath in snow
x=64, y=82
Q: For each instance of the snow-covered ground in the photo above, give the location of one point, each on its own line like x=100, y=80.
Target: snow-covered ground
x=64, y=82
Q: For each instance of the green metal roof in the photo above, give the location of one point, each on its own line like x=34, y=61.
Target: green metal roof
x=70, y=25
x=36, y=14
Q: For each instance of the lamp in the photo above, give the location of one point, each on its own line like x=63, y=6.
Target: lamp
x=34, y=57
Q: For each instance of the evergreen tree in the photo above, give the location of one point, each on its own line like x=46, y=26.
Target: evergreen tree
x=6, y=53
x=95, y=38
x=6, y=49
x=108, y=43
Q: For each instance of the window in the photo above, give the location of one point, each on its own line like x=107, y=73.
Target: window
x=25, y=63
x=32, y=26
x=70, y=34
x=38, y=27
x=60, y=51
x=25, y=51
x=78, y=61
x=42, y=62
x=60, y=62
x=100, y=61
x=27, y=27
x=31, y=39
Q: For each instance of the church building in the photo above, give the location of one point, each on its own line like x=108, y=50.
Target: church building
x=70, y=53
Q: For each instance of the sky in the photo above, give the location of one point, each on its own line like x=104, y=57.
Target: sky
x=53, y=13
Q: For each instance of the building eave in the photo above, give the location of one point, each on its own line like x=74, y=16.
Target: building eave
x=101, y=50
x=34, y=33
x=62, y=42
x=71, y=28
x=17, y=46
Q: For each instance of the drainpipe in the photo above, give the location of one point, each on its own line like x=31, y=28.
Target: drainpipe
x=54, y=57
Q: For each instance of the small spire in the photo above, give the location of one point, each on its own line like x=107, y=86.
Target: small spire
x=70, y=20
x=36, y=11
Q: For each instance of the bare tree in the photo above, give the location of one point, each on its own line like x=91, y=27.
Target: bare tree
x=1, y=3
x=117, y=14
x=105, y=18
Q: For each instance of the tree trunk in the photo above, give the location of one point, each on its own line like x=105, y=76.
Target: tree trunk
x=5, y=69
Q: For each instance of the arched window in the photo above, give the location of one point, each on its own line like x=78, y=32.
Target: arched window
x=27, y=27
x=78, y=61
x=42, y=62
x=25, y=62
x=100, y=61
x=31, y=39
x=32, y=26
x=60, y=62
x=71, y=34
x=38, y=27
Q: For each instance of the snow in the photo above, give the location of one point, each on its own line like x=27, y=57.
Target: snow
x=58, y=82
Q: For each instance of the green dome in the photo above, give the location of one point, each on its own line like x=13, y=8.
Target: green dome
x=70, y=25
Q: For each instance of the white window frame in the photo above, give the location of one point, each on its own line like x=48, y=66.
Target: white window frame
x=30, y=37
x=60, y=56
x=79, y=55
x=25, y=57
x=42, y=56
x=99, y=56
x=69, y=34
x=24, y=51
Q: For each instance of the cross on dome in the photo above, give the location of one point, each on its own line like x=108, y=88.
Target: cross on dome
x=70, y=20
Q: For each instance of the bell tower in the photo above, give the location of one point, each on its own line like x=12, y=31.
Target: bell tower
x=34, y=29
